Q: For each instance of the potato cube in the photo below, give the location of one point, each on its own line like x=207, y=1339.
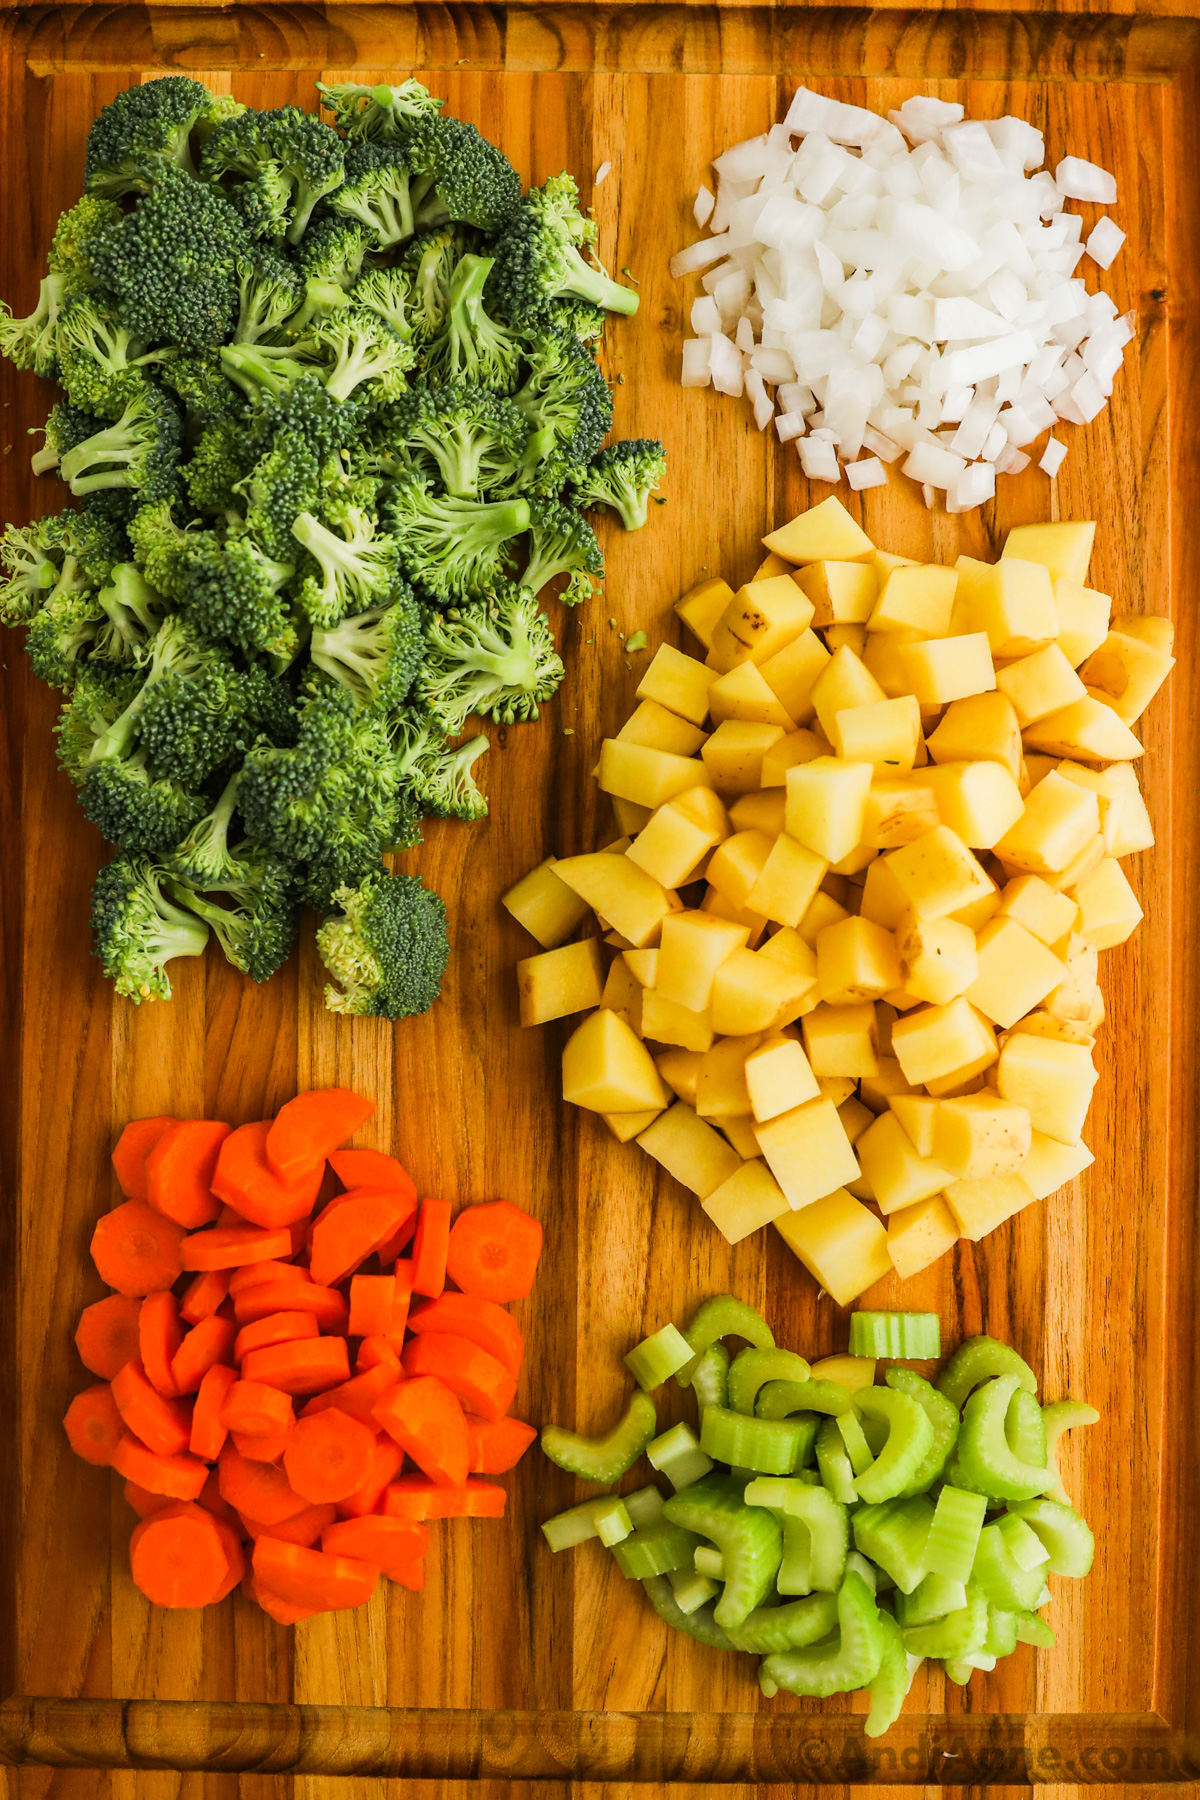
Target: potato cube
x=787, y=881
x=1034, y=904
x=940, y=670
x=1011, y=601
x=792, y=673
x=670, y=845
x=825, y=533
x=734, y=754
x=750, y=991
x=916, y=597
x=826, y=804
x=736, y=865
x=855, y=1117
x=1059, y=820
x=1088, y=729
x=740, y=1132
x=840, y=1242
x=762, y=618
x=1075, y=997
x=842, y=593
x=1147, y=628
x=807, y=1151
x=718, y=907
x=721, y=1091
x=917, y=1115
x=979, y=801
x=1039, y=684
x=657, y=728
x=882, y=899
x=764, y=811
x=886, y=733
x=666, y=1022
x=678, y=682
x=980, y=1135
x=842, y=1040
x=606, y=1067
x=982, y=728
x=548, y=909
x=938, y=874
x=980, y=1205
x=940, y=1041
x=797, y=747
x=702, y=606
x=622, y=994
x=897, y=812
x=1016, y=972
x=1108, y=907
x=680, y=1069
x=1126, y=673
x=778, y=1078
x=697, y=1156
x=558, y=982
x=853, y=637
x=744, y=694
x=876, y=1090
x=918, y=1235
x=628, y=899
x=1050, y=1165
x=1083, y=615
x=1115, y=799
x=1081, y=866
x=651, y=777
x=844, y=682
x=628, y=816
x=1065, y=547
x=898, y=1176
x=747, y=1201
x=642, y=965
x=856, y=960
x=772, y=565
x=1052, y=1080
x=855, y=862
x=881, y=658
x=823, y=910
x=938, y=959
x=1044, y=1024
x=626, y=1126
x=1133, y=830
x=694, y=945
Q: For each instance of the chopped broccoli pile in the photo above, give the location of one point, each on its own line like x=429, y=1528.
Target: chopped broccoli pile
x=330, y=420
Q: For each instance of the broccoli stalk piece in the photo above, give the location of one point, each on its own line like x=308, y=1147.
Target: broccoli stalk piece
x=497, y=660
x=140, y=451
x=471, y=439
x=365, y=113
x=135, y=809
x=450, y=790
x=561, y=542
x=204, y=858
x=622, y=476
x=366, y=353
x=386, y=948
x=146, y=132
x=373, y=654
x=257, y=932
x=321, y=299
x=138, y=930
x=264, y=371
x=290, y=159
x=32, y=342
x=454, y=549
x=134, y=611
x=30, y=556
x=356, y=570
x=471, y=346
x=234, y=592
x=539, y=259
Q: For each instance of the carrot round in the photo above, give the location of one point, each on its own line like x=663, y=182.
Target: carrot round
x=326, y=1305
x=376, y=1351
x=208, y=1434
x=180, y=1168
x=495, y=1445
x=107, y=1334
x=357, y=1396
x=209, y=1342
x=204, y=1295
x=329, y=1455
x=494, y=1250
x=372, y=1302
x=143, y=1501
x=347, y=1232
x=231, y=1542
x=210, y=1499
x=467, y=1316
x=136, y=1250
x=483, y=1384
x=275, y=1328
x=409, y=1575
x=429, y=1248
x=311, y=1578
x=232, y=1246
x=252, y=1274
x=417, y=1497
x=404, y=1293
x=308, y=1128
x=384, y=1542
x=386, y=1464
x=131, y=1150
x=178, y=1477
x=307, y=1366
x=257, y=1490
x=93, y=1425
x=371, y=1168
x=254, y=1409
x=282, y=1611
x=256, y=1448
x=305, y=1528
x=426, y=1420
x=160, y=1334
x=245, y=1179
x=164, y=1426
x=177, y=1557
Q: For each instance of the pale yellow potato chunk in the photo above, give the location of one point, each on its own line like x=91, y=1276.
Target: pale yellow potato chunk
x=940, y=1041
x=1147, y=628
x=740, y=1132
x=548, y=909
x=842, y=1245
x=981, y=1134
x=842, y=593
x=1083, y=615
x=606, y=1067
x=680, y=1069
x=886, y=733
x=649, y=777
x=658, y=728
x=1088, y=728
x=787, y=882
x=898, y=1176
x=882, y=659
x=981, y=728
x=778, y=1077
x=744, y=694
x=678, y=682
x=842, y=1040
x=1052, y=1080
x=1011, y=602
x=1126, y=672
x=623, y=994
x=878, y=1089
x=792, y=673
x=642, y=965
x=747, y=1201
x=737, y=864
x=693, y=947
x=751, y=991
x=797, y=747
x=764, y=811
x=628, y=899
x=1064, y=547
x=918, y=1235
x=1039, y=684
x=670, y=845
x=1016, y=972
x=917, y=1114
x=772, y=564
x=1034, y=904
x=938, y=959
x=844, y=682
x=824, y=533
x=1060, y=819
x=666, y=1022
x=702, y=606
x=718, y=907
x=823, y=910
x=855, y=1118
x=897, y=812
x=807, y=1151
x=978, y=801
x=625, y=1126
x=1051, y=1165
x=882, y=898
x=940, y=670
x=734, y=754
x=826, y=805
x=1108, y=907
x=856, y=960
x=694, y=1153
x=630, y=818
x=762, y=618
x=916, y=597
x=721, y=1091
x=558, y=982
x=938, y=874
x=979, y=1206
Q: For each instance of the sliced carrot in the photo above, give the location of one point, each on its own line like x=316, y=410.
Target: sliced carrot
x=178, y=1477
x=384, y=1542
x=107, y=1334
x=495, y=1445
x=325, y=1304
x=164, y=1426
x=254, y=1409
x=387, y=1463
x=484, y=1385
x=229, y=1215
x=275, y=1328
x=372, y=1302
x=401, y=1238
x=232, y=1246
x=282, y=1611
x=346, y=1233
x=267, y=1449
x=210, y=1499
x=308, y=1366
x=376, y=1351
x=410, y=1575
x=257, y=1490
x=204, y=1295
x=426, y=1420
x=311, y=1578
x=251, y=1274
x=208, y=1434
x=160, y=1333
x=357, y=1396
x=245, y=1179
x=494, y=1250
x=329, y=1455
x=143, y=1501
x=467, y=1316
x=131, y=1150
x=417, y=1497
x=93, y=1425
x=371, y=1168
x=177, y=1557
x=136, y=1250
x=180, y=1168
x=429, y=1248
x=308, y=1128
x=305, y=1528
x=209, y=1342
x=231, y=1541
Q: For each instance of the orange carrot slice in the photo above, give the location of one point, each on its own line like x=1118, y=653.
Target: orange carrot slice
x=484, y=1385
x=160, y=1334
x=404, y=1292
x=417, y=1497
x=426, y=1420
x=311, y=1578
x=282, y=1611
x=325, y=1304
x=250, y=1274
x=143, y=1501
x=209, y=1342
x=357, y=1396
x=180, y=1168
x=107, y=1334
x=204, y=1295
x=371, y=1168
x=94, y=1425
x=409, y=1575
x=177, y=1557
x=164, y=1426
x=372, y=1302
x=312, y=1125
x=255, y=1448
x=136, y=1250
x=308, y=1366
x=346, y=1233
x=178, y=1477
x=494, y=1250
x=275, y=1328
x=390, y=1249
x=387, y=1463
x=384, y=1542
x=208, y=1434
x=329, y=1455
x=497, y=1445
x=253, y=1409
x=305, y=1528
x=467, y=1316
x=232, y=1246
x=210, y=1499
x=374, y=1351
x=257, y=1490
x=245, y=1179
x=429, y=1248
x=131, y=1150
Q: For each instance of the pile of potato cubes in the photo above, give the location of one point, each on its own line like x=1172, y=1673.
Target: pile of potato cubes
x=872, y=849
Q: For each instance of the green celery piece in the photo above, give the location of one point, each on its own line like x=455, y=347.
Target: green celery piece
x=857, y=1448
x=1025, y=1429
x=955, y=1476
x=678, y=1456
x=893, y=1535
x=604, y=1518
x=723, y=1316
x=699, y=1624
x=1002, y=1580
x=644, y=1506
x=780, y=1399
x=710, y=1382
x=748, y=1537
x=839, y=1665
x=709, y=1562
x=983, y=1448
x=691, y=1591
x=980, y=1359
x=1033, y=1629
x=956, y=1634
x=1001, y=1637
x=1066, y=1536
x=766, y=1446
x=1058, y=1417
x=909, y=1441
x=889, y=1684
x=751, y=1369
x=867, y=1570
x=957, y=1671
x=826, y=1532
x=933, y=1597
x=954, y=1535
x=834, y=1464
x=656, y=1358
x=606, y=1458
x=942, y=1415
x=899, y=1336
x=655, y=1550
x=790, y=1627
x=1024, y=1544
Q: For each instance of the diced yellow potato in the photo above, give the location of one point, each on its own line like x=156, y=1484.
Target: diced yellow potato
x=670, y=845
x=853, y=637
x=1088, y=729
x=778, y=1078
x=938, y=874
x=705, y=809
x=855, y=1117
x=807, y=1151
x=1034, y=904
x=942, y=1040
x=825, y=533
x=898, y=1176
x=1117, y=803
x=702, y=606
x=855, y=862
x=842, y=593
x=630, y=818
x=548, y=909
x=886, y=733
x=1075, y=997
x=666, y=1022
x=1083, y=615
x=1050, y=1165
x=823, y=910
x=678, y=682
x=978, y=801
x=837, y=1089
x=762, y=618
x=1011, y=601
x=1126, y=672
x=650, y=777
x=721, y=1091
x=881, y=657
x=692, y=1151
x=693, y=947
x=558, y=982
x=842, y=1245
x=764, y=811
x=796, y=747
x=625, y=1126
x=737, y=864
x=977, y=914
x=792, y=673
x=623, y=994
x=1039, y=684
x=743, y=694
x=1016, y=972
x=826, y=804
x=642, y=965
x=876, y=1091
x=1044, y=1024
x=1059, y=820
x=844, y=682
x=916, y=597
x=1147, y=628
x=751, y=991
x=918, y=1235
x=980, y=1135
x=718, y=907
x=856, y=960
x=772, y=565
x=740, y=1132
x=1065, y=547
x=787, y=881
x=938, y=959
x=628, y=899
x=940, y=670
x=1133, y=830
x=982, y=728
x=897, y=812
x=1081, y=866
x=658, y=728
x=1108, y=907
x=1052, y=1080
x=734, y=755
x=842, y=1040
x=882, y=899
x=680, y=1069
x=917, y=1115
x=747, y=1201
x=979, y=1206
x=1034, y=768
x=606, y=1067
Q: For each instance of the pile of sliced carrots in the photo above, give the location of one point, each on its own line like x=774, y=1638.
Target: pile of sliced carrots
x=266, y=1368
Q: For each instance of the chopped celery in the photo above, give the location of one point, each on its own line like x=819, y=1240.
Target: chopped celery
x=605, y=1518
x=710, y=1382
x=942, y=1415
x=983, y=1448
x=709, y=1562
x=699, y=1625
x=851, y=1660
x=1001, y=1637
x=678, y=1456
x=889, y=1684
x=954, y=1475
x=1024, y=1545
x=850, y=1430
x=979, y=1359
x=765, y=1446
x=691, y=1591
x=834, y=1464
x=656, y=1358
x=954, y=1534
x=893, y=1535
x=790, y=1627
x=909, y=1441
x=748, y=1538
x=655, y=1550
x=959, y=1669
x=779, y=1399
x=1066, y=1536
x=1025, y=1430
x=604, y=1458
x=1058, y=1417
x=825, y=1527
x=752, y=1369
x=722, y=1316
x=867, y=1570
x=1004, y=1582
x=1032, y=1629
x=644, y=1506
x=903, y=1336
x=933, y=1597
x=955, y=1634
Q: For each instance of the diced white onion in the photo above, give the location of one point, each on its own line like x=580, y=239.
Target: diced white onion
x=818, y=459
x=1079, y=180
x=725, y=363
x=605, y=169
x=702, y=209
x=1104, y=241
x=869, y=472
x=1053, y=457
x=789, y=425
x=696, y=369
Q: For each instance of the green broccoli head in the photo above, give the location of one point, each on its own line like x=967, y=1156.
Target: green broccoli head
x=365, y=356
x=561, y=542
x=567, y=404
x=234, y=593
x=388, y=294
x=454, y=549
x=65, y=426
x=290, y=160
x=622, y=476
x=298, y=439
x=75, y=237
x=386, y=947
x=162, y=549
x=139, y=451
x=267, y=371
x=146, y=133
x=459, y=176
x=579, y=318
x=204, y=858
x=137, y=930
x=100, y=363
x=270, y=290
x=429, y=263
x=208, y=395
x=377, y=194
x=175, y=652
x=134, y=611
x=496, y=659
x=449, y=782
x=365, y=113
x=355, y=565
x=221, y=459
x=256, y=932
x=539, y=257
x=62, y=632
x=136, y=809
x=471, y=439
x=333, y=250
x=189, y=725
x=471, y=346
x=101, y=693
x=33, y=342
x=32, y=559
x=374, y=654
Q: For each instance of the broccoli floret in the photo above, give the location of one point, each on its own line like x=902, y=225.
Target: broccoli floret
x=333, y=250
x=209, y=397
x=140, y=451
x=561, y=542
x=96, y=537
x=539, y=260
x=138, y=931
x=265, y=371
x=161, y=548
x=31, y=557
x=204, y=858
x=429, y=262
x=135, y=612
x=257, y=932
x=135, y=810
x=578, y=318
x=221, y=460
x=450, y=790
x=171, y=264
x=568, y=405
x=189, y=725
x=298, y=437
x=101, y=693
x=386, y=948
x=235, y=592
x=376, y=194
x=471, y=346
x=75, y=237
x=270, y=289
x=145, y=132
x=387, y=293
x=292, y=158
x=175, y=650
x=374, y=654
x=355, y=570
x=622, y=476
x=65, y=628
x=321, y=299
x=365, y=354
x=458, y=175
x=470, y=438
x=496, y=659
x=33, y=342
x=376, y=112
x=65, y=427
x=101, y=364
x=454, y=549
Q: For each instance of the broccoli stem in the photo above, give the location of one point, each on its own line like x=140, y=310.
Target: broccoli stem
x=587, y=283
x=118, y=443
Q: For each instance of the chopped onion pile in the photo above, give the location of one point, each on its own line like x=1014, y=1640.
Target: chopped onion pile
x=879, y=301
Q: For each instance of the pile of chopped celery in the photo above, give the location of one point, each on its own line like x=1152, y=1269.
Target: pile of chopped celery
x=843, y=1532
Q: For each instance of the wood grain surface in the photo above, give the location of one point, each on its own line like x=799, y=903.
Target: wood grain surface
x=554, y=1668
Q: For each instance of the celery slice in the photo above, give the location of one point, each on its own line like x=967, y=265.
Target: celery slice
x=980, y=1359
x=779, y=1399
x=657, y=1358
x=867, y=1570
x=699, y=1625
x=1024, y=1545
x=710, y=1383
x=954, y=1534
x=889, y=1684
x=709, y=1562
x=850, y=1430
x=942, y=1415
x=834, y=1464
x=644, y=1506
x=826, y=1526
x=983, y=1448
x=1025, y=1430
x=605, y=1518
x=752, y=1369
x=900, y=1336
x=678, y=1456
x=691, y=1591
x=893, y=1535
x=1004, y=1582
x=723, y=1316
x=604, y=1458
x=1058, y=1417
x=655, y=1550
x=837, y=1666
x=960, y=1669
x=790, y=1627
x=748, y=1537
x=909, y=1441
x=764, y=1446
x=956, y=1634
x=1001, y=1637
x=933, y=1597
x=1033, y=1629
x=1065, y=1535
